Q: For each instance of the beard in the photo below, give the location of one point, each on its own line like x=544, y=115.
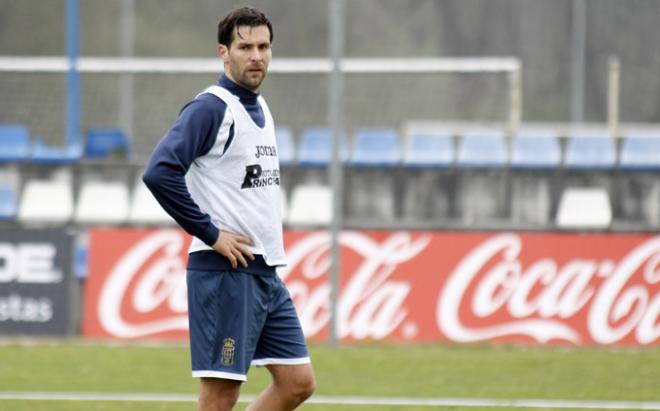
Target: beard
x=248, y=78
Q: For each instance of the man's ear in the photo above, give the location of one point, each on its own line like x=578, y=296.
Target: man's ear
x=223, y=52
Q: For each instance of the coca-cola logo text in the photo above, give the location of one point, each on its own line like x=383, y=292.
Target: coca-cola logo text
x=410, y=286
x=614, y=306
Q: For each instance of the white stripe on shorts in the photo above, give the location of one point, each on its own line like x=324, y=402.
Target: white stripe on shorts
x=281, y=361
x=220, y=374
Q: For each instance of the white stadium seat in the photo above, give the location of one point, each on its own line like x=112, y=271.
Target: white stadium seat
x=310, y=205
x=46, y=201
x=102, y=203
x=584, y=208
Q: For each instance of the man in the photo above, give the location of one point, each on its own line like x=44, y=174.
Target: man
x=216, y=172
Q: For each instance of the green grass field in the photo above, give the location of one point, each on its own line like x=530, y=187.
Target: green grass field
x=474, y=371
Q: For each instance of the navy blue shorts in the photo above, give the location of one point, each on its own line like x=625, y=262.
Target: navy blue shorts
x=240, y=317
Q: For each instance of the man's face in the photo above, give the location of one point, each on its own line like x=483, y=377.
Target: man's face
x=247, y=58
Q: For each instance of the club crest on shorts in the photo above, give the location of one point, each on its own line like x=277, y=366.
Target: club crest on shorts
x=228, y=349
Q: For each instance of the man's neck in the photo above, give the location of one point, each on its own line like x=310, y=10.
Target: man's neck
x=232, y=84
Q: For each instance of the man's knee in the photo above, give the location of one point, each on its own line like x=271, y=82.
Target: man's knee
x=298, y=384
x=304, y=388
x=218, y=394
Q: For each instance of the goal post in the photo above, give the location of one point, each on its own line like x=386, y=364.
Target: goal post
x=369, y=81
x=278, y=65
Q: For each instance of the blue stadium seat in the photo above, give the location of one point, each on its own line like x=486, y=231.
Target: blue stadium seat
x=14, y=142
x=429, y=149
x=315, y=148
x=104, y=143
x=640, y=151
x=8, y=203
x=536, y=149
x=286, y=150
x=42, y=153
x=482, y=149
x=590, y=151
x=376, y=148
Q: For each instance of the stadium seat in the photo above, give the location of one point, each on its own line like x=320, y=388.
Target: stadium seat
x=286, y=150
x=105, y=143
x=7, y=203
x=482, y=149
x=46, y=201
x=14, y=143
x=315, y=148
x=590, y=151
x=42, y=153
x=102, y=203
x=310, y=205
x=376, y=148
x=429, y=150
x=536, y=149
x=640, y=151
x=584, y=208
x=144, y=209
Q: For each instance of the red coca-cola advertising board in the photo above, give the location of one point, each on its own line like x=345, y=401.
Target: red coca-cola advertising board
x=406, y=286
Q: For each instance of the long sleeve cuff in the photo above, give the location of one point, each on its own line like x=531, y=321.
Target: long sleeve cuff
x=210, y=235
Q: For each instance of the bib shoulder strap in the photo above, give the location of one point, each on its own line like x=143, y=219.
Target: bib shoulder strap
x=222, y=93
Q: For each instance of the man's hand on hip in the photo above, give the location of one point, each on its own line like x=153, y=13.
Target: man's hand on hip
x=232, y=246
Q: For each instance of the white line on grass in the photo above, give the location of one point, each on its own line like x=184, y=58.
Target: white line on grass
x=342, y=400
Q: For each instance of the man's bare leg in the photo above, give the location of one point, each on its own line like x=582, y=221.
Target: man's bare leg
x=292, y=384
x=217, y=394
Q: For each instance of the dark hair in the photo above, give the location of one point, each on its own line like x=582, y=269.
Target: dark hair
x=241, y=16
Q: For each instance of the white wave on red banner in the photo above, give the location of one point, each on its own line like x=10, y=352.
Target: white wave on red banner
x=406, y=286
